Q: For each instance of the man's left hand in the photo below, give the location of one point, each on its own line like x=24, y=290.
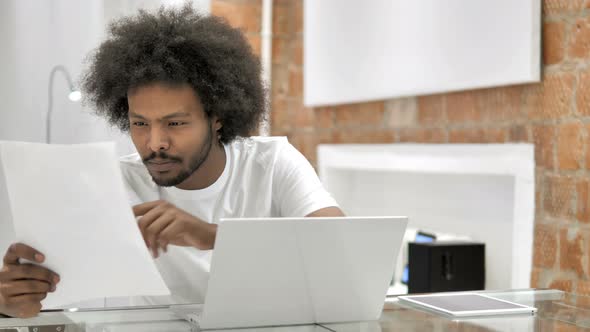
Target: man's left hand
x=161, y=223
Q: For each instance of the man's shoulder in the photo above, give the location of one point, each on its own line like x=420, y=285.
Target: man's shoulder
x=260, y=149
x=261, y=143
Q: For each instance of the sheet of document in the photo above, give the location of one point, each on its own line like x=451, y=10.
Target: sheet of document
x=69, y=202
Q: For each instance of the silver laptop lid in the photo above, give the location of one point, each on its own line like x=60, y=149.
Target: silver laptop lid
x=279, y=271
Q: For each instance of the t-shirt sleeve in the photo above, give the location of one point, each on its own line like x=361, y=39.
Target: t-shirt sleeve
x=297, y=190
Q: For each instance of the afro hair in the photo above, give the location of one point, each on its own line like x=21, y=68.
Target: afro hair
x=178, y=47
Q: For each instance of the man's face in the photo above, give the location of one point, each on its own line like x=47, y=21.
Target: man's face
x=170, y=131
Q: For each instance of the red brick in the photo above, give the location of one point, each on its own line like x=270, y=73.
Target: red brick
x=288, y=132
x=360, y=114
x=297, y=51
x=571, y=252
x=346, y=114
x=243, y=15
x=423, y=135
x=375, y=136
x=583, y=288
x=298, y=16
x=401, y=112
x=553, y=42
x=570, y=151
x=467, y=136
x=551, y=7
x=280, y=50
x=306, y=143
x=279, y=115
x=500, y=104
x=463, y=107
x=551, y=99
x=254, y=41
x=538, y=190
x=545, y=246
x=579, y=46
x=583, y=94
x=583, y=294
x=535, y=276
x=304, y=116
x=376, y=107
x=495, y=135
x=544, y=140
x=280, y=80
x=559, y=192
x=431, y=110
x=562, y=326
x=583, y=204
x=280, y=18
x=324, y=117
x=562, y=284
x=295, y=82
x=519, y=133
x=324, y=137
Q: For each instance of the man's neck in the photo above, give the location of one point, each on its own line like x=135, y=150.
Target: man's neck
x=209, y=171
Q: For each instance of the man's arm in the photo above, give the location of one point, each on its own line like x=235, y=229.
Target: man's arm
x=297, y=191
x=162, y=223
x=331, y=211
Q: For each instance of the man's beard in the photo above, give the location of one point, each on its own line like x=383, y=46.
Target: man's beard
x=194, y=163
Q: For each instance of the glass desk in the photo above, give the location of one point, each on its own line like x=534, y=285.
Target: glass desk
x=557, y=311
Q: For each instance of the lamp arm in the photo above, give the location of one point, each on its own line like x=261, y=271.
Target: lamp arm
x=50, y=98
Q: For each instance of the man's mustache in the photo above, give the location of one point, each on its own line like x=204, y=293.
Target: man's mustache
x=161, y=156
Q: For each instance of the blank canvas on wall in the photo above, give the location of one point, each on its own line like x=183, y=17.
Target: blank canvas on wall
x=356, y=51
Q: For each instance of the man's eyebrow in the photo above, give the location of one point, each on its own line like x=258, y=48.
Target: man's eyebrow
x=176, y=115
x=172, y=115
x=135, y=115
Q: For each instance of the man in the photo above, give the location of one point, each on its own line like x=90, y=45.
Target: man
x=188, y=89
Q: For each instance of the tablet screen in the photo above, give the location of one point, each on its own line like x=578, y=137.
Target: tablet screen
x=464, y=302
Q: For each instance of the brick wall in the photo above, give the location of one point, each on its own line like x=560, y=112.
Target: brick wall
x=554, y=115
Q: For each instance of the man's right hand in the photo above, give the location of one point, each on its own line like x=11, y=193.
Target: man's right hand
x=23, y=285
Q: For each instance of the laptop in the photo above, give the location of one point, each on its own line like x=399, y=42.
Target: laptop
x=291, y=271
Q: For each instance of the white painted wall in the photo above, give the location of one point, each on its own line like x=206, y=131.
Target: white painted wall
x=37, y=35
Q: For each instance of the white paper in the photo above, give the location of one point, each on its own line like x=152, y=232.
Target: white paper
x=69, y=202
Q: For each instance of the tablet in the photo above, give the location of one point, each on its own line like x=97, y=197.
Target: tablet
x=466, y=304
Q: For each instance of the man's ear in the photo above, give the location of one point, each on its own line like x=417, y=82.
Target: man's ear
x=217, y=124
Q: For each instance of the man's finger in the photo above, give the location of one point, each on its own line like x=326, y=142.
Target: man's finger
x=152, y=232
x=28, y=298
x=148, y=219
x=171, y=232
x=141, y=209
x=31, y=271
x=26, y=305
x=25, y=287
x=20, y=250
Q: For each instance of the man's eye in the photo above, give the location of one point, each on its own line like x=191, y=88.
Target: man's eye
x=175, y=123
x=139, y=124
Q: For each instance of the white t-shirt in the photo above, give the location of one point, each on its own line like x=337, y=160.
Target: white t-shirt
x=263, y=177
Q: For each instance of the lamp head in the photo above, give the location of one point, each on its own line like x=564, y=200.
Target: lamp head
x=75, y=95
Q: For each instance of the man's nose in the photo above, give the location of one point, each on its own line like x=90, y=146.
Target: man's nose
x=158, y=140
